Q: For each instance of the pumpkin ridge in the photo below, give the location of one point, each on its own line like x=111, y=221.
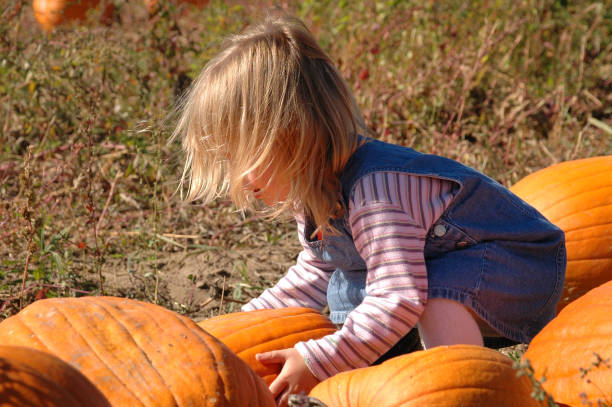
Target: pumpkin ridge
x=598, y=191
x=23, y=319
x=567, y=230
x=569, y=340
x=220, y=357
x=581, y=211
x=201, y=339
x=603, y=257
x=473, y=359
x=596, y=238
x=419, y=395
x=591, y=231
x=576, y=192
x=239, y=333
x=111, y=304
x=153, y=316
x=33, y=335
x=278, y=339
x=383, y=383
x=104, y=362
x=576, y=167
x=54, y=352
x=133, y=339
x=224, y=385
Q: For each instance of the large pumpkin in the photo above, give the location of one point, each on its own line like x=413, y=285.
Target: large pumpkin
x=580, y=337
x=32, y=378
x=577, y=197
x=249, y=333
x=136, y=353
x=445, y=376
x=51, y=13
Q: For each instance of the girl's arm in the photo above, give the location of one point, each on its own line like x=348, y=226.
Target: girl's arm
x=304, y=285
x=390, y=214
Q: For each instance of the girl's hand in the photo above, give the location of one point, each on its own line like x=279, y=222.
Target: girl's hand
x=295, y=377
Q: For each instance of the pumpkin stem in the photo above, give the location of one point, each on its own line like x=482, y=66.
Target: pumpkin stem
x=302, y=400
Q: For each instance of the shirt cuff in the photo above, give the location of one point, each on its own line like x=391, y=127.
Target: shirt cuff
x=311, y=361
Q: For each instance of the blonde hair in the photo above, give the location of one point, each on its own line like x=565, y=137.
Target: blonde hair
x=272, y=101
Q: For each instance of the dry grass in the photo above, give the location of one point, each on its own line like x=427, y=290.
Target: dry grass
x=88, y=181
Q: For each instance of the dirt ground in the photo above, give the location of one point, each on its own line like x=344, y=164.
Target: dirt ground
x=205, y=282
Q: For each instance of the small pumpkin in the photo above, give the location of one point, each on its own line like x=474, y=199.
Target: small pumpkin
x=444, y=376
x=249, y=333
x=32, y=378
x=572, y=349
x=577, y=197
x=51, y=13
x=137, y=353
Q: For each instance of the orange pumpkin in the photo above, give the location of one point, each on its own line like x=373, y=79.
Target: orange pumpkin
x=445, y=376
x=51, y=13
x=577, y=197
x=575, y=340
x=249, y=333
x=30, y=378
x=136, y=353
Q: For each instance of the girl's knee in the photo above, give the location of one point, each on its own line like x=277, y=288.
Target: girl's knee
x=448, y=322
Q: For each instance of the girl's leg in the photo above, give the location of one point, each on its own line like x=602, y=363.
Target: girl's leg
x=447, y=322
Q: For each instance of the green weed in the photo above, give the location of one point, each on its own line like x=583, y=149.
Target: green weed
x=88, y=182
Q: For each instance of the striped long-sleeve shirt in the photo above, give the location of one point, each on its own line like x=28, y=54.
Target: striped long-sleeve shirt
x=389, y=214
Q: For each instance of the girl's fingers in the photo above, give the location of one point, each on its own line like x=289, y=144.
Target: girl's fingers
x=283, y=399
x=277, y=386
x=274, y=356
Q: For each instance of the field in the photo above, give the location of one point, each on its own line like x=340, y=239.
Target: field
x=88, y=181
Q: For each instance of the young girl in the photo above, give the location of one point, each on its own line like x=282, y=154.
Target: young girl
x=392, y=238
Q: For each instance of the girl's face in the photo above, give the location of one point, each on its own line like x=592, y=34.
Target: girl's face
x=276, y=191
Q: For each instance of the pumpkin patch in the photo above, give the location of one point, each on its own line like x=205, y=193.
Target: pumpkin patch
x=90, y=201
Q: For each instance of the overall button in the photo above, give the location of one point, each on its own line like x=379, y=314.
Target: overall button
x=439, y=230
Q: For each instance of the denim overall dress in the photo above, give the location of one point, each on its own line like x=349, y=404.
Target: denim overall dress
x=489, y=250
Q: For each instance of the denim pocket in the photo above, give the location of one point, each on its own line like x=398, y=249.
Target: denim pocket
x=444, y=237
